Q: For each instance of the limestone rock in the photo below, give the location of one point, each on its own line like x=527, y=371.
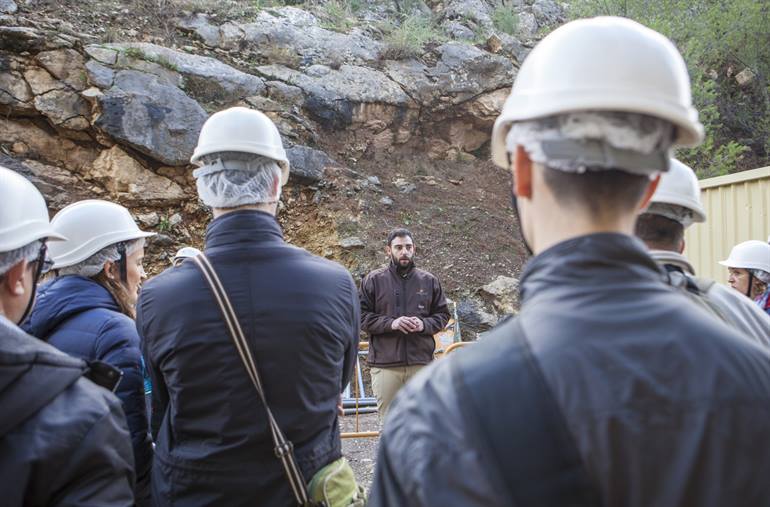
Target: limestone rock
x=148, y=219
x=40, y=81
x=307, y=164
x=353, y=242
x=290, y=36
x=547, y=13
x=205, y=79
x=22, y=38
x=102, y=54
x=64, y=108
x=67, y=65
x=527, y=24
x=126, y=178
x=351, y=94
x=199, y=23
x=99, y=75
x=404, y=186
x=8, y=7
x=15, y=92
x=473, y=11
x=458, y=31
x=472, y=315
x=45, y=146
x=502, y=293
x=156, y=119
x=59, y=186
x=463, y=72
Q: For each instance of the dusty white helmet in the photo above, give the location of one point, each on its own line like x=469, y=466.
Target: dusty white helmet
x=243, y=130
x=601, y=64
x=678, y=187
x=90, y=226
x=752, y=254
x=184, y=253
x=23, y=213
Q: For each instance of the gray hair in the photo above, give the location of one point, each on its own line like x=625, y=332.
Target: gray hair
x=232, y=179
x=761, y=274
x=28, y=252
x=94, y=264
x=596, y=140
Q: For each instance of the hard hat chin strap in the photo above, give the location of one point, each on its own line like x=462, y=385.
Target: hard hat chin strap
x=122, y=263
x=751, y=282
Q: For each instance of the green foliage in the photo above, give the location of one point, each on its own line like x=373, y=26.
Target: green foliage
x=505, y=19
x=408, y=39
x=718, y=39
x=339, y=15
x=138, y=54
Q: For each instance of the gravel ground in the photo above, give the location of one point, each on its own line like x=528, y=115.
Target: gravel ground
x=361, y=452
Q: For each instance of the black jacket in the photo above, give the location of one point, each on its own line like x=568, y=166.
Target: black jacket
x=300, y=314
x=81, y=318
x=386, y=295
x=666, y=405
x=63, y=440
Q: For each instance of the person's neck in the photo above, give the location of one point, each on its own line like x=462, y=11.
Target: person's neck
x=562, y=225
x=266, y=207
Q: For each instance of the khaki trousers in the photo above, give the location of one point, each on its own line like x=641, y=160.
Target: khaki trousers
x=386, y=382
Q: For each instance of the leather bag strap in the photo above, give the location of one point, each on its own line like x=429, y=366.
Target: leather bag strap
x=284, y=449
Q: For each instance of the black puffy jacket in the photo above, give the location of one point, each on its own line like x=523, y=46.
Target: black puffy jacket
x=666, y=405
x=300, y=314
x=63, y=440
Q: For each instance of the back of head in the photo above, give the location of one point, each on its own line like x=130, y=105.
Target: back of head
x=675, y=206
x=98, y=232
x=241, y=158
x=23, y=220
x=599, y=103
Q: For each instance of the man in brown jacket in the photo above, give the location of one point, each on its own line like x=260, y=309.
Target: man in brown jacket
x=401, y=308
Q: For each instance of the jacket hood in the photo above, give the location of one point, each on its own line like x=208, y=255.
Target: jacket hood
x=668, y=258
x=63, y=298
x=579, y=261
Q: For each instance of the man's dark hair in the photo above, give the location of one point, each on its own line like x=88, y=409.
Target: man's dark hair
x=399, y=232
x=659, y=232
x=600, y=192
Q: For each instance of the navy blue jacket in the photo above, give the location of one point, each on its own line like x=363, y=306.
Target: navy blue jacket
x=300, y=314
x=80, y=317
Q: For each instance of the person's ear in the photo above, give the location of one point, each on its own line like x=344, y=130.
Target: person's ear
x=649, y=192
x=522, y=173
x=13, y=279
x=387, y=250
x=681, y=246
x=109, y=269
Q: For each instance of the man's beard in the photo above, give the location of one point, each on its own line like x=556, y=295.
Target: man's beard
x=403, y=268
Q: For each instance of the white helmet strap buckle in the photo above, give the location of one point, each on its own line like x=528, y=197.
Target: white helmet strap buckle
x=594, y=153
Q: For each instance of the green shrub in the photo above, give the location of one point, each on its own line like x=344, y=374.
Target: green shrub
x=505, y=19
x=408, y=40
x=339, y=15
x=718, y=40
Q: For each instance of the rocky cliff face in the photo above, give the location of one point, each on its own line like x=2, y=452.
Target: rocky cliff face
x=379, y=135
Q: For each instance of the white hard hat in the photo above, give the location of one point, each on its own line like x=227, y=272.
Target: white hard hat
x=752, y=254
x=679, y=186
x=244, y=130
x=601, y=64
x=90, y=226
x=185, y=253
x=23, y=212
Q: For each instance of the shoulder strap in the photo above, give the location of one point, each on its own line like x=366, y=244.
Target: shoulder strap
x=526, y=437
x=283, y=448
x=696, y=289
